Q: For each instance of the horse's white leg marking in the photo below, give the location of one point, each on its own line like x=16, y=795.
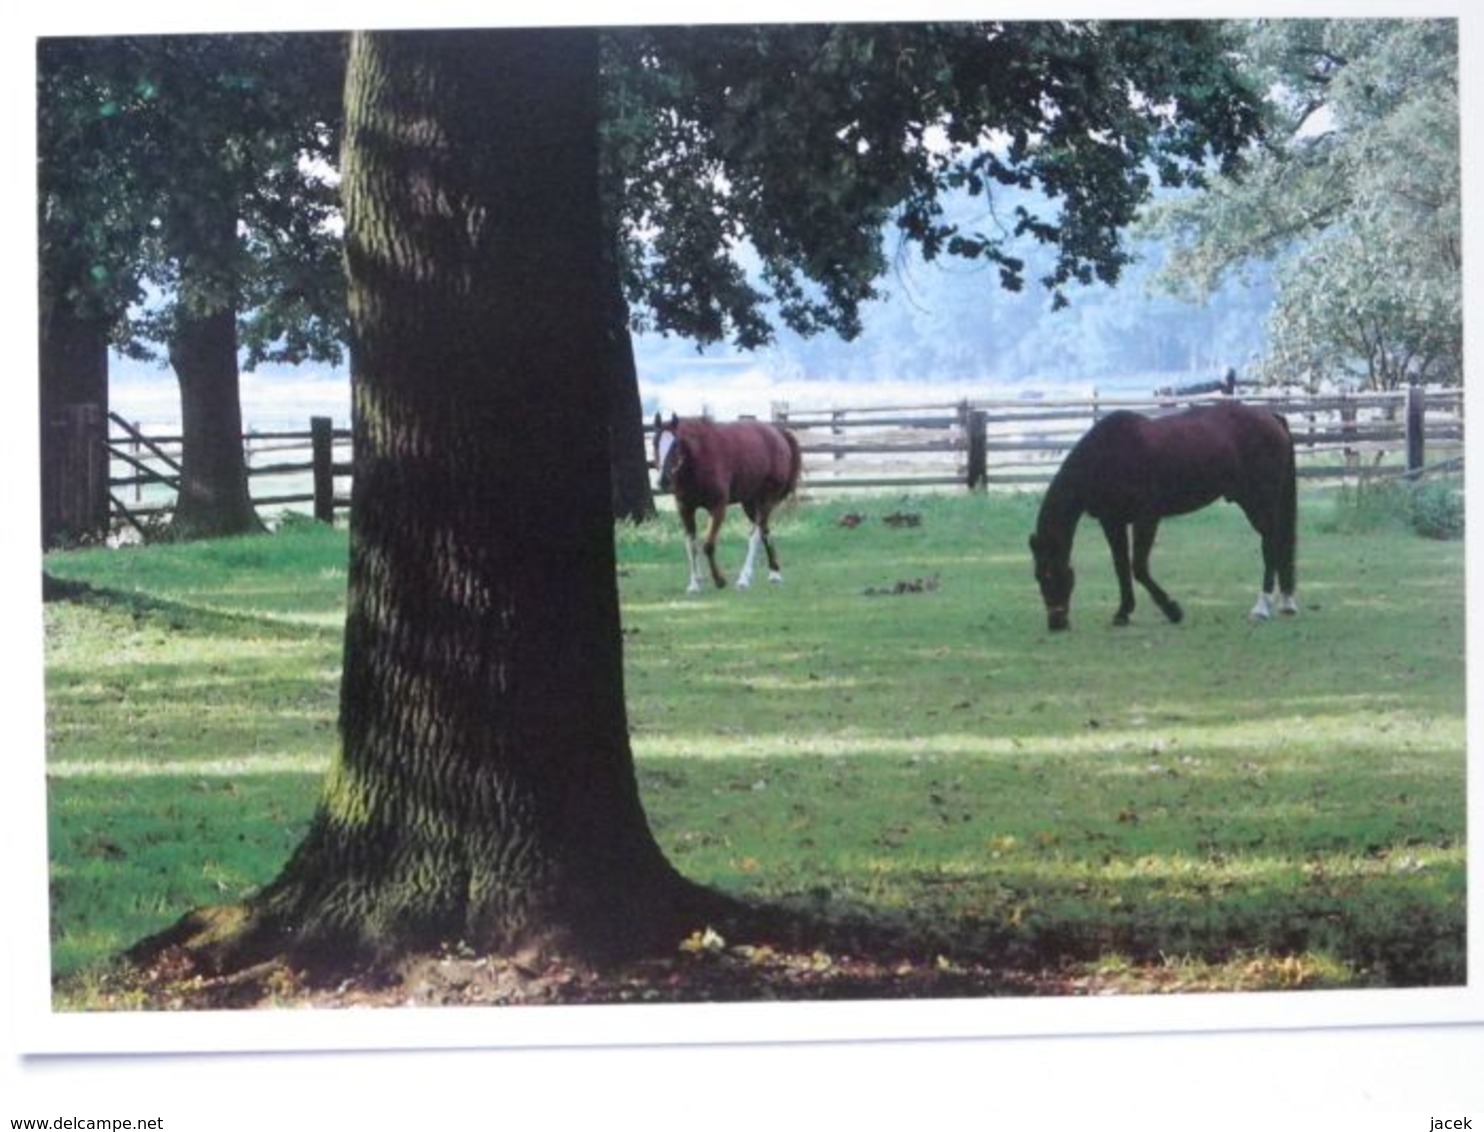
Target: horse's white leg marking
x=1286, y=604
x=744, y=579
x=692, y=558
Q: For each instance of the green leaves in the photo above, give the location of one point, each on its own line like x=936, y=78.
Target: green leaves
x=781, y=153
x=136, y=133
x=1355, y=196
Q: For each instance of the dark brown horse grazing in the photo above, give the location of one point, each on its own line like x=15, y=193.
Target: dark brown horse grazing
x=1132, y=471
x=709, y=466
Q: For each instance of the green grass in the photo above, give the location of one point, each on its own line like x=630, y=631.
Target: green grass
x=890, y=732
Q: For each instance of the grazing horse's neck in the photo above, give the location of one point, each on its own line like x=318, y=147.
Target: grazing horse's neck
x=1061, y=508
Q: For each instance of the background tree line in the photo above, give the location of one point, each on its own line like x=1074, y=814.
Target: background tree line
x=768, y=187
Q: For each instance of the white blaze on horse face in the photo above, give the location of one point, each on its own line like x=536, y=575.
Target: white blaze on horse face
x=662, y=450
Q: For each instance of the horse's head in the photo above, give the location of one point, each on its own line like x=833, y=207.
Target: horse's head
x=668, y=453
x=1054, y=574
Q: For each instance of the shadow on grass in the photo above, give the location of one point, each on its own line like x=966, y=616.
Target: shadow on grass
x=176, y=616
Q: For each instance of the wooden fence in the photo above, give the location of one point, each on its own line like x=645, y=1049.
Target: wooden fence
x=977, y=444
x=1021, y=442
x=288, y=470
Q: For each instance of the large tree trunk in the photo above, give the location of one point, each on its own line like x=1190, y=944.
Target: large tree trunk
x=214, y=498
x=485, y=789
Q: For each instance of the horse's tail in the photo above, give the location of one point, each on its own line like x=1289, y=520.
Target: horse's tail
x=795, y=461
x=1288, y=511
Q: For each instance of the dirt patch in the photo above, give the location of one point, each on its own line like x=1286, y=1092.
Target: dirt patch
x=905, y=586
x=705, y=968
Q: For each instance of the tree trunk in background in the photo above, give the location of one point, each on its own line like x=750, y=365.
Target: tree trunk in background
x=633, y=498
x=214, y=499
x=485, y=787
x=73, y=369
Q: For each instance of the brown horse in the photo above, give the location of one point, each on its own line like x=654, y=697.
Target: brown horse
x=1132, y=471
x=710, y=466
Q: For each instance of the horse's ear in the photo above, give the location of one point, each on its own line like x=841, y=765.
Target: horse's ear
x=674, y=420
x=659, y=422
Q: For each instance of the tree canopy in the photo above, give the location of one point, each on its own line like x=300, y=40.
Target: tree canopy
x=135, y=132
x=1356, y=195
x=795, y=150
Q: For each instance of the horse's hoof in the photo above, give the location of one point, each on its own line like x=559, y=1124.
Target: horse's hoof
x=1120, y=620
x=775, y=577
x=743, y=583
x=1175, y=614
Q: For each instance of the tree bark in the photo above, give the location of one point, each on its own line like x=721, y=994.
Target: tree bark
x=214, y=498
x=485, y=788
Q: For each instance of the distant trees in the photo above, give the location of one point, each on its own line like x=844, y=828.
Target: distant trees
x=183, y=211
x=950, y=322
x=1355, y=195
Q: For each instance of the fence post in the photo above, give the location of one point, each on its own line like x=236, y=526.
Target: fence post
x=978, y=449
x=1416, y=415
x=322, y=444
x=1347, y=430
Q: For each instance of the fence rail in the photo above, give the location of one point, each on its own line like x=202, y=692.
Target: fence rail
x=306, y=468
x=976, y=444
x=1021, y=442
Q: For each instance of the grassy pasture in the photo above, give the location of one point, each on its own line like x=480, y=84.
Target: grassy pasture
x=891, y=732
